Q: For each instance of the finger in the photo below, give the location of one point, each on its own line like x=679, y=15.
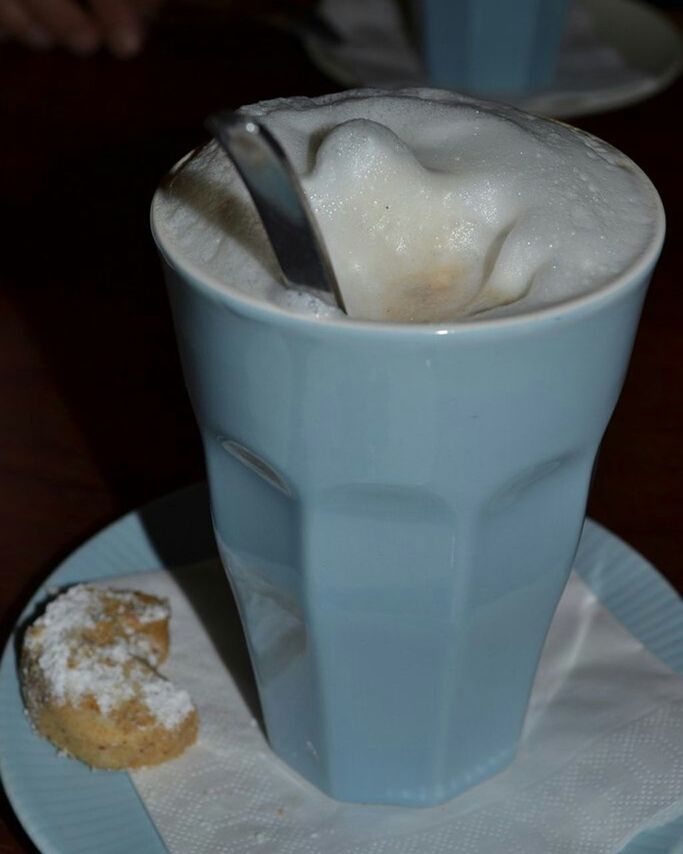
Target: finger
x=71, y=26
x=121, y=26
x=18, y=24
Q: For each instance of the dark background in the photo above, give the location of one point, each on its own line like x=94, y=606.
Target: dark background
x=94, y=420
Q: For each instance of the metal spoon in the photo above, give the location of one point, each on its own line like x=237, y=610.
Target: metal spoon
x=279, y=199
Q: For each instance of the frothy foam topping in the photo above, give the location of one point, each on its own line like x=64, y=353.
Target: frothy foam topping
x=433, y=207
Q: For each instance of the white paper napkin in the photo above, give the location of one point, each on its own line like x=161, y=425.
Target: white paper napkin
x=601, y=756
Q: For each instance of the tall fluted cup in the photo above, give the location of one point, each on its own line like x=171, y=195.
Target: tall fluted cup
x=490, y=48
x=397, y=508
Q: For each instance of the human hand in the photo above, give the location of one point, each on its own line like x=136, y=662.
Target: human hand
x=118, y=25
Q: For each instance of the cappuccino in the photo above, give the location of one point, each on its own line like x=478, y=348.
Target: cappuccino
x=398, y=503
x=434, y=208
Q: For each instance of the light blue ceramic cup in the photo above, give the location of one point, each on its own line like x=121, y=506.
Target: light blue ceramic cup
x=397, y=509
x=491, y=47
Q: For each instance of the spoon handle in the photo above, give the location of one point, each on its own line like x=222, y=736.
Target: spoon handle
x=279, y=199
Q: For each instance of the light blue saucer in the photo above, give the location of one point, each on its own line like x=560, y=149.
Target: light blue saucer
x=68, y=809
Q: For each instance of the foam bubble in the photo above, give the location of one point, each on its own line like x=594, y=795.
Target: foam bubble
x=433, y=207
x=401, y=245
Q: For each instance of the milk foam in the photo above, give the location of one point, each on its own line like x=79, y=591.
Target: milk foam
x=433, y=206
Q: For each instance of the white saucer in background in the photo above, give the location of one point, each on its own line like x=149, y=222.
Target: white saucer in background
x=615, y=53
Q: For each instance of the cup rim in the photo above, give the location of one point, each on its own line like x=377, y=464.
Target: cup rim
x=258, y=309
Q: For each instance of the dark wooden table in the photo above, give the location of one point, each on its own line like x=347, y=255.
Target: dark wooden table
x=93, y=415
